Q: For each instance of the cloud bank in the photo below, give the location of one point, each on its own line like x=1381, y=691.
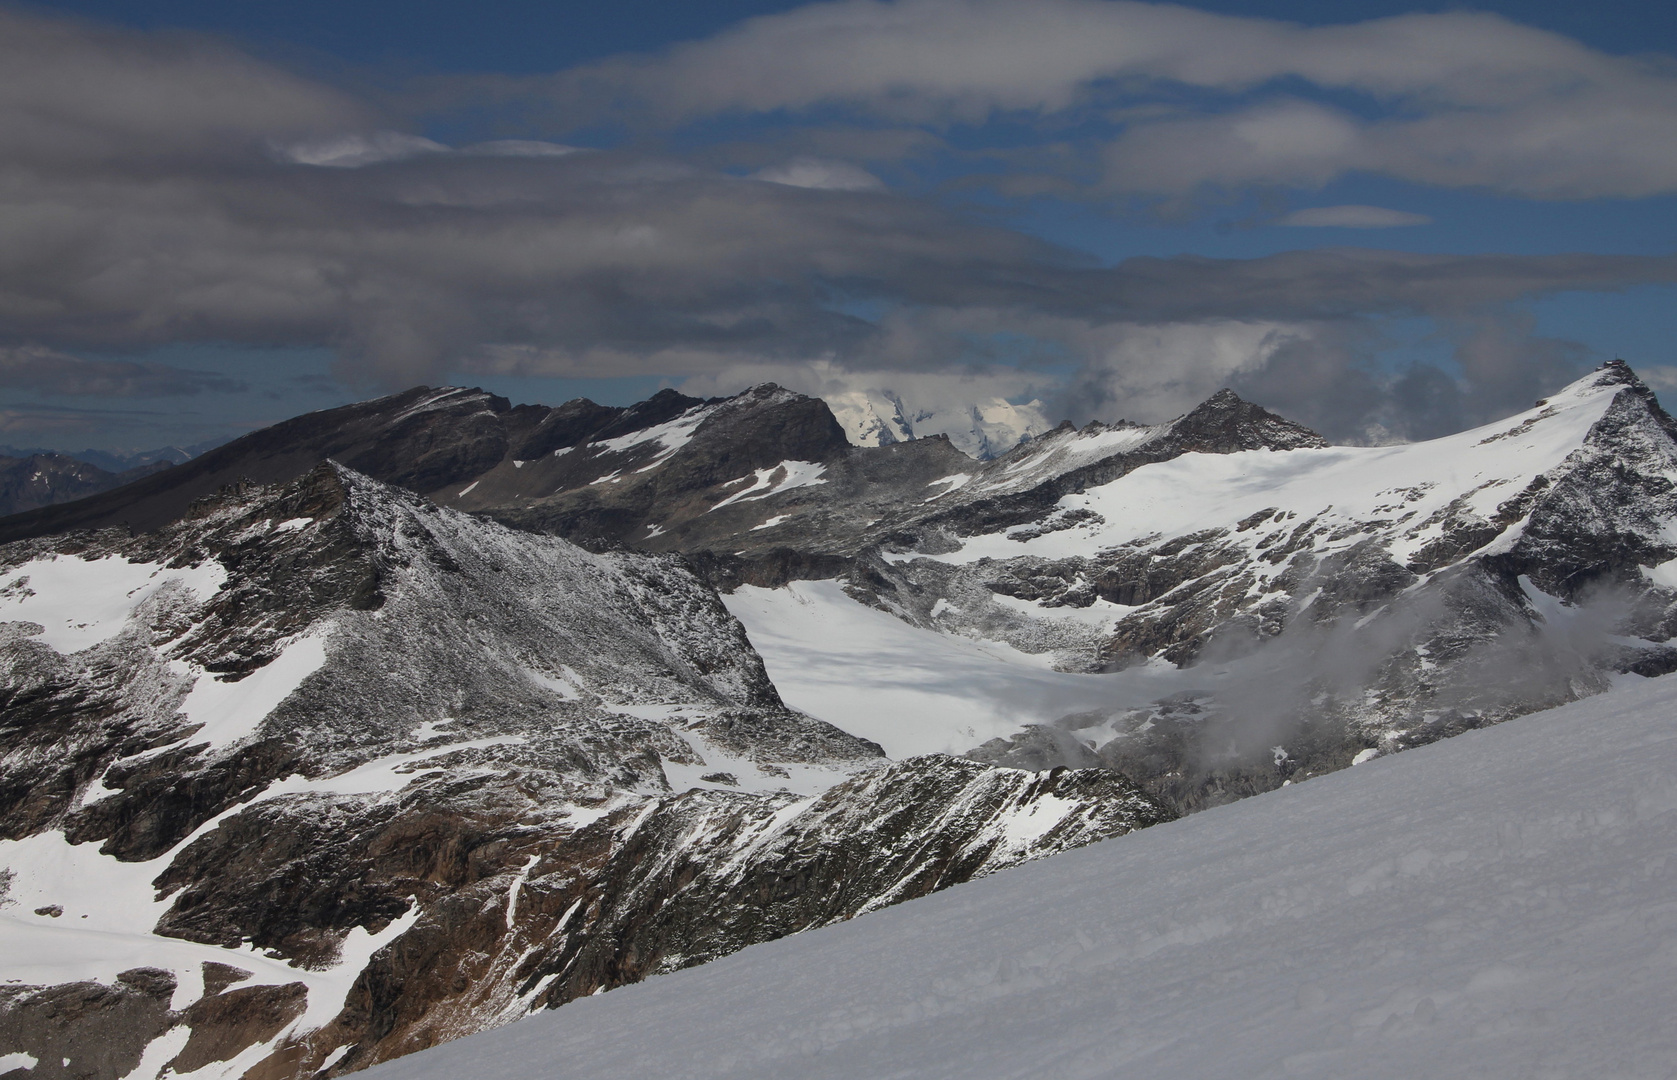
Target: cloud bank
x=1469, y=98
x=160, y=189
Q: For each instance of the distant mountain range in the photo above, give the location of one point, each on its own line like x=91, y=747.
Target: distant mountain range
x=33, y=478
x=116, y=461
x=394, y=722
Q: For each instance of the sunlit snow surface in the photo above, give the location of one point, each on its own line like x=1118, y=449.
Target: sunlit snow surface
x=912, y=691
x=81, y=602
x=1499, y=904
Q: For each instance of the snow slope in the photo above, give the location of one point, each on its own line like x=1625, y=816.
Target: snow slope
x=1499, y=904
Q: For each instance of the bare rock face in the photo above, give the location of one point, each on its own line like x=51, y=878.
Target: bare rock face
x=380, y=774
x=86, y=1028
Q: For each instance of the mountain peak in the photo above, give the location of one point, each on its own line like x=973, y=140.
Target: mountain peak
x=1226, y=423
x=1616, y=372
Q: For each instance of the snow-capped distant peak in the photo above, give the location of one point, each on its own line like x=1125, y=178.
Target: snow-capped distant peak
x=983, y=430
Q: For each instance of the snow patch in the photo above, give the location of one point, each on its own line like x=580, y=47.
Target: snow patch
x=667, y=437
x=783, y=477
x=1025, y=826
x=82, y=602
x=517, y=884
x=956, y=483
x=334, y=1057
x=230, y=711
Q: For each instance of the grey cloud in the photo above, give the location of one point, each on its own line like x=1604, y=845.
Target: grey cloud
x=75, y=93
x=619, y=263
x=1477, y=99
x=1352, y=217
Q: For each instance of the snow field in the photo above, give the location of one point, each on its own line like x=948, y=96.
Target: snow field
x=1499, y=904
x=912, y=691
x=230, y=711
x=81, y=602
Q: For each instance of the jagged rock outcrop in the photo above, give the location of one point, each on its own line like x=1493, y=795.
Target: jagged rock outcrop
x=397, y=774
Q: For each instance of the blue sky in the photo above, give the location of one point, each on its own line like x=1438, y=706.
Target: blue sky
x=1385, y=220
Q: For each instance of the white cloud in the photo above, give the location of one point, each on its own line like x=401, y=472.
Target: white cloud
x=532, y=148
x=352, y=151
x=1352, y=217
x=1662, y=377
x=808, y=172
x=1468, y=98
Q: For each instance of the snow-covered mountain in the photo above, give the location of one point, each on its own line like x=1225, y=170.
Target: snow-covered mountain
x=414, y=772
x=322, y=774
x=981, y=430
x=1310, y=606
x=1496, y=906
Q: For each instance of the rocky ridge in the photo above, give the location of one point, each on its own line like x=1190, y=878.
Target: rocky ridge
x=614, y=779
x=360, y=774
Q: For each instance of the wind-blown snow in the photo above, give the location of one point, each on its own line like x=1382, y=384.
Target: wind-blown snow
x=81, y=602
x=1494, y=905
